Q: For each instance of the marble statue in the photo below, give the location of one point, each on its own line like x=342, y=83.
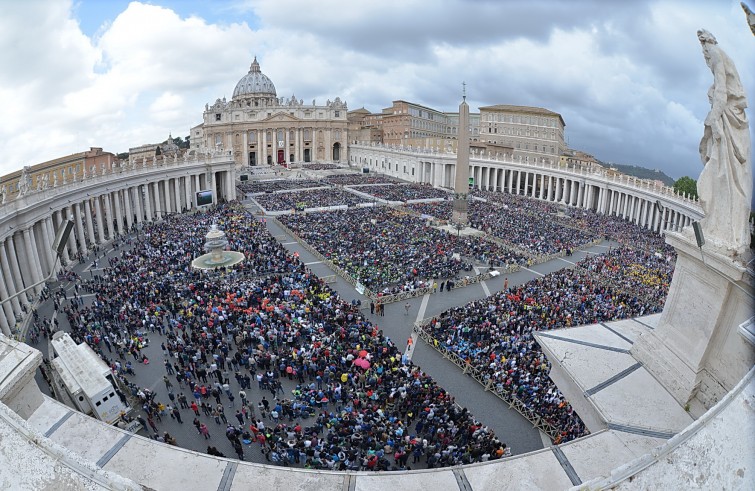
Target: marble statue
x=3, y=194
x=725, y=184
x=55, y=180
x=750, y=17
x=24, y=182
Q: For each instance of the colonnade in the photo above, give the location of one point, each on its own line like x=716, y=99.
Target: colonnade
x=100, y=213
x=650, y=206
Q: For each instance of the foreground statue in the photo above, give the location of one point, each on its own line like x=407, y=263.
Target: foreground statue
x=725, y=184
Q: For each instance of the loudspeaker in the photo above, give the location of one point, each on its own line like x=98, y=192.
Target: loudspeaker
x=698, y=234
x=61, y=236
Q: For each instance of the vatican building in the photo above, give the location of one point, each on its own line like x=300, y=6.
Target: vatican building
x=261, y=128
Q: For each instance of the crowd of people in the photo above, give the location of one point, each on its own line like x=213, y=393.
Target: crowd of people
x=312, y=382
x=313, y=198
x=406, y=192
x=274, y=185
x=384, y=248
x=494, y=334
x=360, y=179
x=319, y=166
x=524, y=226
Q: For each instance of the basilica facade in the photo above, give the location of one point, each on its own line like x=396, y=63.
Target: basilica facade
x=260, y=128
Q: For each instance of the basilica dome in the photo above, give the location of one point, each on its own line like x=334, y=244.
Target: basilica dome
x=254, y=84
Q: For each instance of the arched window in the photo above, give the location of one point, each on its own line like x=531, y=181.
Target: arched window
x=280, y=135
x=307, y=134
x=291, y=136
x=252, y=135
x=338, y=134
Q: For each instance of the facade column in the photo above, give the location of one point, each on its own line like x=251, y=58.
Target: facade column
x=518, y=181
x=286, y=145
x=263, y=149
x=245, y=155
x=542, y=185
x=8, y=280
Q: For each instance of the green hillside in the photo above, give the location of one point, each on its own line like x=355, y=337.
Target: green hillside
x=642, y=172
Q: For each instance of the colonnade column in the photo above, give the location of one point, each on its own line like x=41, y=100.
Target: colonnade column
x=8, y=284
x=177, y=186
x=80, y=228
x=33, y=257
x=138, y=204
x=129, y=213
x=14, y=263
x=187, y=191
x=108, y=218
x=98, y=217
x=47, y=239
x=7, y=309
x=90, y=224
x=211, y=177
x=118, y=212
x=148, y=202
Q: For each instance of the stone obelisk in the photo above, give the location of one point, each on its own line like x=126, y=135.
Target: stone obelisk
x=461, y=184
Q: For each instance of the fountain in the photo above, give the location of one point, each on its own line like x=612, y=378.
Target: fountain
x=216, y=256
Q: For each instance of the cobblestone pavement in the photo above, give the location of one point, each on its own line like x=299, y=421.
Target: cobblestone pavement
x=509, y=426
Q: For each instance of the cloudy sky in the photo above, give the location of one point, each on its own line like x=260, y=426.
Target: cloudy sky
x=628, y=77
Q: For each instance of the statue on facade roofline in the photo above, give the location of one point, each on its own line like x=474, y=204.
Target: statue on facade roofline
x=725, y=184
x=24, y=182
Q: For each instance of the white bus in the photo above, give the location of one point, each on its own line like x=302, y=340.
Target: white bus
x=87, y=379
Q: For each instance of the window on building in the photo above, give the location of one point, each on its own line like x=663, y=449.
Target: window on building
x=337, y=114
x=217, y=116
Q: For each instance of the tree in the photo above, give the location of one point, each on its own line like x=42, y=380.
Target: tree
x=686, y=185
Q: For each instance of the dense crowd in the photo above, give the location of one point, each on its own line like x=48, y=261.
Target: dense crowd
x=383, y=248
x=238, y=338
x=319, y=166
x=406, y=192
x=273, y=185
x=494, y=335
x=314, y=198
x=360, y=179
x=523, y=225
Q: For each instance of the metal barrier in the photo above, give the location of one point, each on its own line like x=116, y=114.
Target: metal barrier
x=483, y=379
x=331, y=278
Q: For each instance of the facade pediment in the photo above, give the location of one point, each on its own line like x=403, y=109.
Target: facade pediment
x=281, y=116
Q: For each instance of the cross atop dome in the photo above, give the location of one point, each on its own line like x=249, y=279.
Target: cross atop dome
x=255, y=68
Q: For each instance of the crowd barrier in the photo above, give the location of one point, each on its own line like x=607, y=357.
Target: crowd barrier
x=506, y=396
